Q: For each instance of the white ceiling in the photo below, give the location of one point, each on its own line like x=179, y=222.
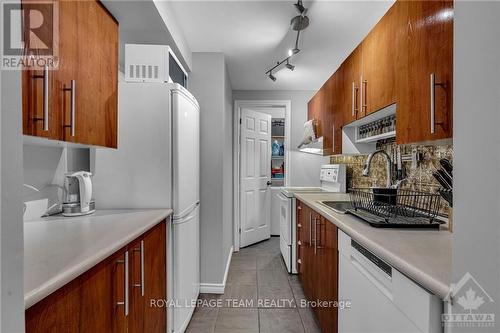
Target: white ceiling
x=255, y=34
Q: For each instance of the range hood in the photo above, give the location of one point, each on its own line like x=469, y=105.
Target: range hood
x=311, y=143
x=313, y=147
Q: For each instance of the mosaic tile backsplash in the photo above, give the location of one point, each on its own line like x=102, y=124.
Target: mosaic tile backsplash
x=419, y=179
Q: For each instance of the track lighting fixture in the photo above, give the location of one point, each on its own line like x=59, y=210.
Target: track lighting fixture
x=298, y=23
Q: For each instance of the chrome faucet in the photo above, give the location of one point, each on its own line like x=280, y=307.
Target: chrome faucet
x=366, y=168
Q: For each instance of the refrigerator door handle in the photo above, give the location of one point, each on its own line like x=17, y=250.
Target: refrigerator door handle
x=187, y=216
x=186, y=212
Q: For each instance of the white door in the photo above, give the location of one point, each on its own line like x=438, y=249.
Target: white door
x=255, y=177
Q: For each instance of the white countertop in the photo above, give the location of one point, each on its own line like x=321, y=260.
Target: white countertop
x=58, y=249
x=425, y=256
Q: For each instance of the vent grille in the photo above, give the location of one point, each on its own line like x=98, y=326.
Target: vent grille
x=143, y=72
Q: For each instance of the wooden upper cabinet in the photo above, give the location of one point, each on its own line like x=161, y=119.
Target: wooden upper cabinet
x=41, y=114
x=97, y=79
x=68, y=66
x=318, y=109
x=315, y=109
x=351, y=72
x=83, y=90
x=378, y=86
x=336, y=101
x=426, y=50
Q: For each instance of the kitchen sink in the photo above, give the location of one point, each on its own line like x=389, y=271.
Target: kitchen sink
x=338, y=206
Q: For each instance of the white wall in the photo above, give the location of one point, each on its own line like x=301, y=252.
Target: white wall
x=11, y=224
x=180, y=43
x=45, y=168
x=304, y=168
x=210, y=85
x=227, y=171
x=476, y=211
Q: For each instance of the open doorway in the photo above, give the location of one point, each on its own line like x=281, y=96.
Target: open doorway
x=261, y=164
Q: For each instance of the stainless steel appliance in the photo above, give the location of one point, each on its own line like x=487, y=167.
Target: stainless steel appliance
x=78, y=201
x=333, y=180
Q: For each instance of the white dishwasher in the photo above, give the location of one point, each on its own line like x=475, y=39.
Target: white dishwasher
x=382, y=299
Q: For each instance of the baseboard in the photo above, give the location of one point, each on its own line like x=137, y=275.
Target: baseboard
x=218, y=288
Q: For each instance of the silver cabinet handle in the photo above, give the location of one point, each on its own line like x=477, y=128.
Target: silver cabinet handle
x=72, y=89
x=433, y=85
x=310, y=228
x=125, y=303
x=354, y=93
x=315, y=235
x=142, y=268
x=433, y=103
x=363, y=94
x=141, y=250
x=45, y=78
x=126, y=284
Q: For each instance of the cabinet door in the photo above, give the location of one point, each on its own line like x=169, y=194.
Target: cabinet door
x=148, y=282
x=318, y=109
x=378, y=86
x=306, y=254
x=426, y=49
x=337, y=112
x=97, y=296
x=302, y=240
x=41, y=117
x=68, y=67
x=155, y=278
x=315, y=109
x=136, y=278
x=351, y=72
x=96, y=81
x=327, y=273
x=120, y=292
x=93, y=302
x=59, y=312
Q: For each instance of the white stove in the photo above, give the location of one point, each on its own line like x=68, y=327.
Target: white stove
x=333, y=180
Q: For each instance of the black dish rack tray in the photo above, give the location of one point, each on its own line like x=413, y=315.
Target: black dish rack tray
x=391, y=208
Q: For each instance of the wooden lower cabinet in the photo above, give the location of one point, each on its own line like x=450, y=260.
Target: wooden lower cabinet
x=317, y=255
x=96, y=300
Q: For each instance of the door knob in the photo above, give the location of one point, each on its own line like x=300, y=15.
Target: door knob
x=269, y=183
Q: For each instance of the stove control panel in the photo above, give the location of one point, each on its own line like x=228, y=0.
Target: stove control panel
x=333, y=177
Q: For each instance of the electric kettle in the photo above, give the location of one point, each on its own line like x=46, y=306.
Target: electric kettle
x=78, y=186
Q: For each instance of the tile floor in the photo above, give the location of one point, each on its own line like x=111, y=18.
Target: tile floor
x=260, y=296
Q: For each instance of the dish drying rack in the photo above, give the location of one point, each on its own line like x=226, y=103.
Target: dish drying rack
x=395, y=208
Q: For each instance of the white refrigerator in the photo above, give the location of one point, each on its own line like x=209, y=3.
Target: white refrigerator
x=157, y=165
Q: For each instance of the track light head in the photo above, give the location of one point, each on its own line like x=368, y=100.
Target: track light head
x=290, y=66
x=272, y=77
